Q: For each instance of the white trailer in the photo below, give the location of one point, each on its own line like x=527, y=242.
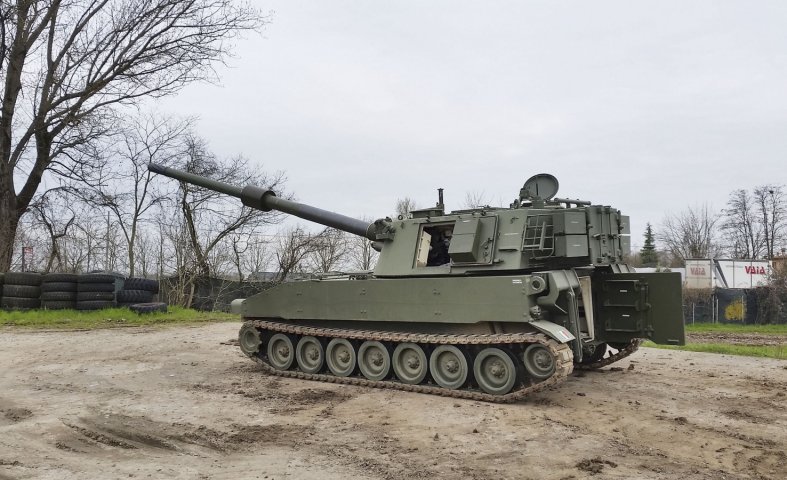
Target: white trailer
x=727, y=273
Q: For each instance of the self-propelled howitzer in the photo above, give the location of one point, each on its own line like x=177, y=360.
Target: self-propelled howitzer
x=486, y=303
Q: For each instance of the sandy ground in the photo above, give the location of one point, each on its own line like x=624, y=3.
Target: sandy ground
x=184, y=403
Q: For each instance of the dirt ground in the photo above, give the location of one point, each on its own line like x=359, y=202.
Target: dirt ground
x=184, y=403
x=755, y=339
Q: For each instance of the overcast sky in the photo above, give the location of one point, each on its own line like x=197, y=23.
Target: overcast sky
x=648, y=107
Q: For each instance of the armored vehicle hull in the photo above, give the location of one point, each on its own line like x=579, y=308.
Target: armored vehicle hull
x=484, y=338
x=487, y=303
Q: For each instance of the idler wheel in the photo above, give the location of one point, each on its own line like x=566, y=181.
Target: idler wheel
x=494, y=371
x=249, y=340
x=310, y=355
x=448, y=366
x=340, y=356
x=539, y=362
x=374, y=361
x=281, y=353
x=409, y=363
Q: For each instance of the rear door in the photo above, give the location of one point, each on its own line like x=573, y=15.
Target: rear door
x=639, y=305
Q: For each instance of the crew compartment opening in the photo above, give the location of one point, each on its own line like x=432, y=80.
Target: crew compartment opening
x=433, y=245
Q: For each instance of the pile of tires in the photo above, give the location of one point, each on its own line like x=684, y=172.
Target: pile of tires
x=59, y=291
x=89, y=291
x=95, y=291
x=21, y=291
x=138, y=294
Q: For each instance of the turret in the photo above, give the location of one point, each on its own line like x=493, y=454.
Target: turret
x=266, y=200
x=537, y=232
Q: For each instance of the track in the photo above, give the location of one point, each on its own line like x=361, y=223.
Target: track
x=632, y=347
x=561, y=352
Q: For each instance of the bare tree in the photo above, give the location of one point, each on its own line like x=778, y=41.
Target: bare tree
x=85, y=246
x=294, y=246
x=239, y=248
x=177, y=258
x=690, y=233
x=145, y=257
x=770, y=201
x=475, y=199
x=257, y=255
x=361, y=254
x=129, y=194
x=53, y=211
x=31, y=236
x=331, y=246
x=77, y=248
x=73, y=61
x=742, y=229
x=210, y=217
x=405, y=205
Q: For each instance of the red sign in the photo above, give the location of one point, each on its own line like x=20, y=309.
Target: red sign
x=754, y=269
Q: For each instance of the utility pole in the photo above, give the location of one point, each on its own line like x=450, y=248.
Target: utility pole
x=106, y=247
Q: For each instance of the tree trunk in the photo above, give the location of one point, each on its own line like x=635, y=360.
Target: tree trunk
x=8, y=225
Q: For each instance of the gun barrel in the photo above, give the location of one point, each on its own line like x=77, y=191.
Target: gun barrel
x=187, y=177
x=266, y=200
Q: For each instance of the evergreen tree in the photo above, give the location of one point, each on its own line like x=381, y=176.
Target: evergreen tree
x=648, y=254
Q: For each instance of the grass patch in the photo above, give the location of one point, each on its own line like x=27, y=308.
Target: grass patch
x=111, y=317
x=734, y=328
x=767, y=351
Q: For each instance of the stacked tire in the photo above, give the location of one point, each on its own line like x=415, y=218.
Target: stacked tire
x=59, y=291
x=21, y=291
x=138, y=295
x=95, y=291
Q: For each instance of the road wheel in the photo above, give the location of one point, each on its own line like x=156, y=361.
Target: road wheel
x=409, y=363
x=310, y=355
x=448, y=366
x=494, y=371
x=539, y=362
x=374, y=360
x=281, y=352
x=340, y=357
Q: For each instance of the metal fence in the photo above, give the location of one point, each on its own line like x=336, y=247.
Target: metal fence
x=759, y=305
x=209, y=293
